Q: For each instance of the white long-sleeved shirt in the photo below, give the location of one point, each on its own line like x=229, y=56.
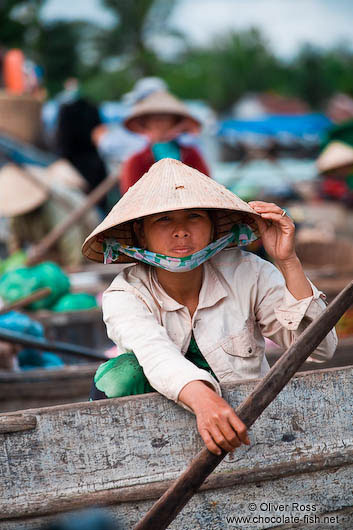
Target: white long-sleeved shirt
x=242, y=300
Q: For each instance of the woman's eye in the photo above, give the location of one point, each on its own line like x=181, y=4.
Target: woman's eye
x=195, y=215
x=165, y=218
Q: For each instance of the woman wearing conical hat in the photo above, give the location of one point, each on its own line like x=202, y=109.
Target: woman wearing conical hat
x=192, y=311
x=161, y=118
x=34, y=208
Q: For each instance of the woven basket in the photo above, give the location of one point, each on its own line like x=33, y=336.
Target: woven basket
x=337, y=256
x=20, y=116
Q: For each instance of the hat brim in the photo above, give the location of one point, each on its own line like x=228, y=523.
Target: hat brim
x=188, y=123
x=223, y=219
x=20, y=192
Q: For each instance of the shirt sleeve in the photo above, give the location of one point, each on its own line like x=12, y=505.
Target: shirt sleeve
x=133, y=327
x=283, y=318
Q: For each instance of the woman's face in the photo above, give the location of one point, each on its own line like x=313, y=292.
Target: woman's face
x=159, y=127
x=177, y=233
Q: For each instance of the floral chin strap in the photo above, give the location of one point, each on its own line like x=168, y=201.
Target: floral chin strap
x=240, y=233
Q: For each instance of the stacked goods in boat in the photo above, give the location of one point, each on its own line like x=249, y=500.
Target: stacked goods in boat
x=20, y=116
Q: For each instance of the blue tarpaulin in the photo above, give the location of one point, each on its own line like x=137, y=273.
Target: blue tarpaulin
x=307, y=127
x=23, y=153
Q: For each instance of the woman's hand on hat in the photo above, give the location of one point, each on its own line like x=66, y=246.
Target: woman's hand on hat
x=217, y=423
x=276, y=229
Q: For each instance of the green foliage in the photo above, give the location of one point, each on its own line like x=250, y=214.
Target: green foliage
x=18, y=19
x=107, y=86
x=232, y=65
x=136, y=22
x=109, y=60
x=56, y=47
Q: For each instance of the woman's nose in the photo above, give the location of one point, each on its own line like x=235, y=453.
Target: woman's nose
x=181, y=231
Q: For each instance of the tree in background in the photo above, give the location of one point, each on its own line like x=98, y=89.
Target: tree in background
x=317, y=74
x=136, y=23
x=18, y=20
x=232, y=65
x=56, y=49
x=108, y=61
x=54, y=46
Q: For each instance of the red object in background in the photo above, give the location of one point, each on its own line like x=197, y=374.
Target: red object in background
x=13, y=71
x=139, y=163
x=334, y=188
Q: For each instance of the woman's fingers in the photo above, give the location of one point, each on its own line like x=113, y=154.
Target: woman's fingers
x=270, y=210
x=217, y=422
x=209, y=442
x=240, y=428
x=228, y=442
x=285, y=221
x=261, y=206
x=228, y=433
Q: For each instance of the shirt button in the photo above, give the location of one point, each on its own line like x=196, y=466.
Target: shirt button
x=249, y=350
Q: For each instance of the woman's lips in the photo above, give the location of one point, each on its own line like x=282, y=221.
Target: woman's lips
x=182, y=250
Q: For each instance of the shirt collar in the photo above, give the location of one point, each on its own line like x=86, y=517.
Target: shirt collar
x=212, y=290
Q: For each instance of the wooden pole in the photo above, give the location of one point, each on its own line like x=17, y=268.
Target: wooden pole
x=164, y=511
x=26, y=300
x=52, y=346
x=37, y=251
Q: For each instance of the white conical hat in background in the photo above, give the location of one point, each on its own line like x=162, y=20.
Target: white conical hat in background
x=168, y=185
x=143, y=88
x=19, y=192
x=335, y=155
x=61, y=172
x=161, y=103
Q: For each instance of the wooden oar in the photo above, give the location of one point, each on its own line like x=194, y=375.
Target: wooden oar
x=164, y=511
x=26, y=300
x=36, y=252
x=52, y=346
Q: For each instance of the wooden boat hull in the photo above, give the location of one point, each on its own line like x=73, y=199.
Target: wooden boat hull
x=72, y=383
x=44, y=388
x=77, y=327
x=123, y=453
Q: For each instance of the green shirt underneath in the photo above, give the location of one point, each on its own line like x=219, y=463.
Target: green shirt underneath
x=195, y=356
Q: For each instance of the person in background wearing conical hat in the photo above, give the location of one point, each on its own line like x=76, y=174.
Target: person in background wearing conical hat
x=161, y=118
x=335, y=167
x=34, y=210
x=192, y=313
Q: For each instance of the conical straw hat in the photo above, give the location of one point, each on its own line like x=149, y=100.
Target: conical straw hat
x=161, y=103
x=61, y=172
x=19, y=191
x=168, y=185
x=335, y=155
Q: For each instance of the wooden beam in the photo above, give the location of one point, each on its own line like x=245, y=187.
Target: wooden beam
x=52, y=346
x=26, y=300
x=17, y=422
x=38, y=251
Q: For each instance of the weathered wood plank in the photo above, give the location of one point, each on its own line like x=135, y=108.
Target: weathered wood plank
x=38, y=388
x=86, y=450
x=16, y=423
x=72, y=383
x=213, y=509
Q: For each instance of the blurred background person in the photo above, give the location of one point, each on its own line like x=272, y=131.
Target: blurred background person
x=161, y=118
x=34, y=209
x=77, y=118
